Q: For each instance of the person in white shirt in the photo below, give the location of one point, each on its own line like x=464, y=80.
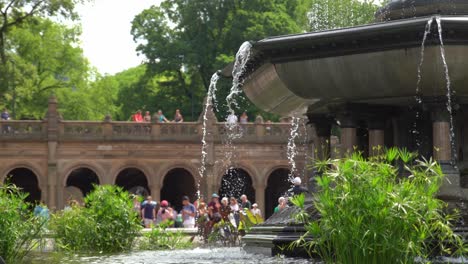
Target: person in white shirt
x=255, y=211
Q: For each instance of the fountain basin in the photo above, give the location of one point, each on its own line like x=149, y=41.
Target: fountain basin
x=375, y=64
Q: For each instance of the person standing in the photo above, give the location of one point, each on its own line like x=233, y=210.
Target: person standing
x=255, y=210
x=281, y=205
x=137, y=117
x=298, y=189
x=165, y=213
x=244, y=119
x=245, y=202
x=148, y=211
x=147, y=117
x=235, y=209
x=5, y=115
x=178, y=118
x=161, y=117
x=188, y=213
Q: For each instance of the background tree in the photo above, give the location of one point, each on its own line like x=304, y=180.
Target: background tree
x=187, y=41
x=44, y=58
x=15, y=13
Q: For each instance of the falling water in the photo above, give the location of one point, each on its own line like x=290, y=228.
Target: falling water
x=449, y=90
x=418, y=96
x=292, y=148
x=233, y=130
x=242, y=58
x=210, y=99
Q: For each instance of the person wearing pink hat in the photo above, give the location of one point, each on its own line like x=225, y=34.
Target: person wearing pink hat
x=165, y=213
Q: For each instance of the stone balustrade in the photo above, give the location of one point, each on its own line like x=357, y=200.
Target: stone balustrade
x=35, y=130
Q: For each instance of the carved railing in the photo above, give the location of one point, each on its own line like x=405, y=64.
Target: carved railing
x=23, y=130
x=80, y=130
x=131, y=131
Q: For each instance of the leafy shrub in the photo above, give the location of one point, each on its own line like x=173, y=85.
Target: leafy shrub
x=159, y=238
x=19, y=230
x=371, y=214
x=108, y=223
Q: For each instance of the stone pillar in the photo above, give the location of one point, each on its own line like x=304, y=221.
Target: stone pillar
x=322, y=125
x=52, y=118
x=260, y=196
x=348, y=140
x=259, y=129
x=155, y=190
x=442, y=152
x=107, y=127
x=376, y=135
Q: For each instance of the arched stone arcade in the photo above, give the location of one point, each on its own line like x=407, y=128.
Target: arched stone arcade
x=27, y=180
x=236, y=182
x=134, y=181
x=83, y=179
x=277, y=185
x=177, y=183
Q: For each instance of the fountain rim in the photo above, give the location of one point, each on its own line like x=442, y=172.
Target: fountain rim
x=390, y=35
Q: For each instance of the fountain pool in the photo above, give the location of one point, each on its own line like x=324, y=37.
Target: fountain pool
x=195, y=256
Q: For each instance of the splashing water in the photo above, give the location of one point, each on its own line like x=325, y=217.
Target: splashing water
x=242, y=58
x=418, y=95
x=210, y=99
x=233, y=130
x=449, y=91
x=292, y=148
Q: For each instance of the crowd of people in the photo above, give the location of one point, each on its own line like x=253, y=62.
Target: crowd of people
x=197, y=214
x=157, y=117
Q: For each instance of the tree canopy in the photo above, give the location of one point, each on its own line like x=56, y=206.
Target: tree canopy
x=183, y=42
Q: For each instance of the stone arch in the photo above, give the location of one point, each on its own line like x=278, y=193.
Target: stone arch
x=177, y=183
x=252, y=172
x=83, y=178
x=188, y=167
x=134, y=180
x=237, y=181
x=146, y=170
x=32, y=167
x=26, y=179
x=69, y=169
x=277, y=184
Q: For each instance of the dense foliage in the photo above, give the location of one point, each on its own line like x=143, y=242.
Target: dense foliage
x=159, y=238
x=107, y=223
x=19, y=229
x=371, y=214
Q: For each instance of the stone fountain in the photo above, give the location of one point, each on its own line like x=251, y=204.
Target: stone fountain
x=371, y=81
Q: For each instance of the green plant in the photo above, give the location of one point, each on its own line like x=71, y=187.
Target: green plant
x=108, y=223
x=159, y=238
x=20, y=231
x=369, y=214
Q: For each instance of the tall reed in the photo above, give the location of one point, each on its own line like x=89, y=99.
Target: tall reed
x=20, y=230
x=372, y=214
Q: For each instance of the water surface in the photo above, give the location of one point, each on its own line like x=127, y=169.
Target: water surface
x=192, y=256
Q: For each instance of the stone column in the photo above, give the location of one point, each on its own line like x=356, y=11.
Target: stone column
x=348, y=140
x=260, y=197
x=376, y=135
x=52, y=119
x=322, y=125
x=155, y=190
x=442, y=152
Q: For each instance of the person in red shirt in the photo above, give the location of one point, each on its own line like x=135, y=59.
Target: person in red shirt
x=137, y=117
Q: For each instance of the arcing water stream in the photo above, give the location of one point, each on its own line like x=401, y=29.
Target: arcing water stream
x=448, y=84
x=210, y=100
x=449, y=91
